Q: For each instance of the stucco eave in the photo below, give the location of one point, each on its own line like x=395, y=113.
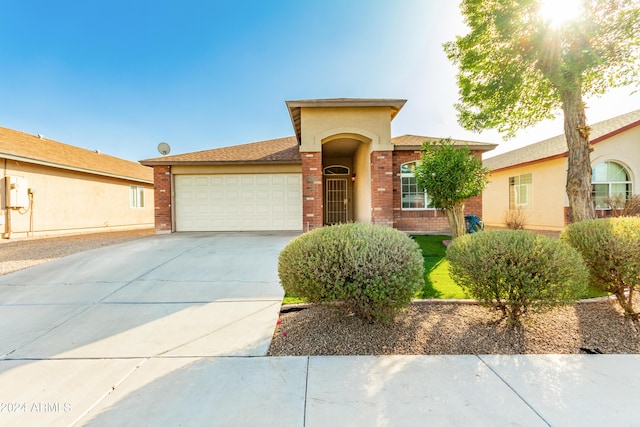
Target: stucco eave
x=220, y=163
x=74, y=169
x=484, y=148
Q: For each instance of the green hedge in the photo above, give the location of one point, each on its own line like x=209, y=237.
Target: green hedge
x=517, y=271
x=374, y=270
x=611, y=250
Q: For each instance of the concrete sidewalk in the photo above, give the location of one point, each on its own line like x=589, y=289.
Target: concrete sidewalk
x=172, y=330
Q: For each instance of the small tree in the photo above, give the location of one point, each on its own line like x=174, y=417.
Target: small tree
x=451, y=175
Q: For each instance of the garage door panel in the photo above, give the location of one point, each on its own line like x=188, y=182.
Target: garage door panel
x=238, y=202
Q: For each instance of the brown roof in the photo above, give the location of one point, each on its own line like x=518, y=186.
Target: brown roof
x=281, y=150
x=414, y=142
x=28, y=148
x=557, y=146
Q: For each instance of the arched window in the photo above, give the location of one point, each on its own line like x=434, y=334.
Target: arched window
x=336, y=170
x=610, y=179
x=412, y=196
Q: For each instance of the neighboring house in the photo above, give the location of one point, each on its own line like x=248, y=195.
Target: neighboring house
x=48, y=188
x=342, y=165
x=533, y=178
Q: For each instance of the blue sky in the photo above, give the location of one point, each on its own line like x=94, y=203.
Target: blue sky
x=123, y=76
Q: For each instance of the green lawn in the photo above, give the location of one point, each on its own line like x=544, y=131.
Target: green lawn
x=438, y=284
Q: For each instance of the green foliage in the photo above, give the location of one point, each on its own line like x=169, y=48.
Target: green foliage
x=374, y=270
x=515, y=68
x=437, y=281
x=611, y=250
x=451, y=175
x=517, y=271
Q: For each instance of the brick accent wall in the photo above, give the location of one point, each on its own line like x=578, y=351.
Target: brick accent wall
x=312, y=213
x=423, y=221
x=382, y=188
x=162, y=198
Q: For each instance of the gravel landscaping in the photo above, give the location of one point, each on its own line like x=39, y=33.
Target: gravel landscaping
x=16, y=254
x=424, y=328
x=457, y=328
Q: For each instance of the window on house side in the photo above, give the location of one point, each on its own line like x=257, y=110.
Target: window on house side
x=610, y=179
x=520, y=191
x=136, y=197
x=412, y=196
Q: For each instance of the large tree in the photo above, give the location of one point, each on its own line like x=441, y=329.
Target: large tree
x=516, y=68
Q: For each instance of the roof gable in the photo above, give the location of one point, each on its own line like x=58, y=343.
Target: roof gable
x=28, y=148
x=557, y=146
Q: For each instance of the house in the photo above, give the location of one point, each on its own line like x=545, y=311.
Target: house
x=533, y=178
x=341, y=165
x=48, y=188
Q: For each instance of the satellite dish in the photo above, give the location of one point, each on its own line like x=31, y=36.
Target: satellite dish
x=164, y=148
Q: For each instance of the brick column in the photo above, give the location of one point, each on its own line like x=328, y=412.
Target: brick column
x=311, y=190
x=382, y=188
x=162, y=196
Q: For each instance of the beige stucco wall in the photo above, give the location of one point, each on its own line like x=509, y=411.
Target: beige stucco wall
x=549, y=180
x=547, y=201
x=69, y=202
x=320, y=125
x=362, y=184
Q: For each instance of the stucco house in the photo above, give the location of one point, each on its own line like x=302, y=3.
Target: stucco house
x=533, y=178
x=341, y=165
x=49, y=188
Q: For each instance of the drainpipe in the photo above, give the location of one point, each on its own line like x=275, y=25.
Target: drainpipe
x=6, y=234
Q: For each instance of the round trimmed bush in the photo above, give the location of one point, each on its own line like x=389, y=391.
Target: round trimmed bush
x=517, y=271
x=374, y=270
x=611, y=249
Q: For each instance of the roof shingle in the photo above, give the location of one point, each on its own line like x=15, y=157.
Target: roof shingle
x=33, y=149
x=280, y=150
x=417, y=141
x=557, y=145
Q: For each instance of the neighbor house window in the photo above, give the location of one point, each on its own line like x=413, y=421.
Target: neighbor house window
x=610, y=179
x=520, y=191
x=413, y=197
x=136, y=196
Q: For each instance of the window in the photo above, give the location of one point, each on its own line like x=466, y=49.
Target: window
x=520, y=191
x=412, y=196
x=136, y=197
x=609, y=179
x=336, y=170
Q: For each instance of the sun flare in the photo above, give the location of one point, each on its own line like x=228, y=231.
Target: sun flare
x=559, y=12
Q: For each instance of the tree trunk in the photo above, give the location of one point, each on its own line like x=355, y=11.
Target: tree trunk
x=456, y=221
x=579, y=162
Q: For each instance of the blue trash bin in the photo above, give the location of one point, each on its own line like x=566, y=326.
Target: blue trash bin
x=473, y=223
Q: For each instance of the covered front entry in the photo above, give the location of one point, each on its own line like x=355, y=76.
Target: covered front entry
x=338, y=195
x=235, y=202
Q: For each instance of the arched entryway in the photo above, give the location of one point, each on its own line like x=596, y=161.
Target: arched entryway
x=345, y=167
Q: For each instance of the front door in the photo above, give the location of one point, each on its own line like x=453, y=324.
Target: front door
x=337, y=201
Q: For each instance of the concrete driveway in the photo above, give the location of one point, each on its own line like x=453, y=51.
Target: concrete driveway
x=75, y=328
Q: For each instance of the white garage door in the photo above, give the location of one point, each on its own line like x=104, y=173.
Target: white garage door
x=238, y=202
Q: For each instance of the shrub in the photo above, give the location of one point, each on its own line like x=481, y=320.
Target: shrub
x=611, y=250
x=517, y=270
x=375, y=270
x=624, y=206
x=515, y=219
